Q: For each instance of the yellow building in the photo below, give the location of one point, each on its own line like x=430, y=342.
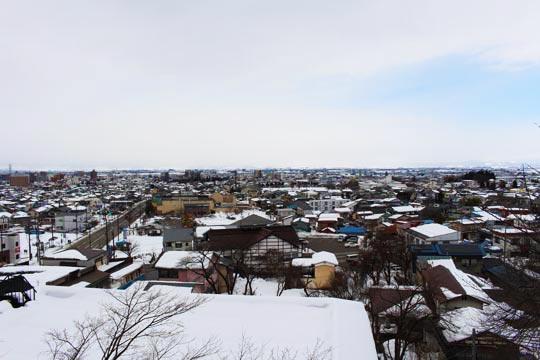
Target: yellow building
x=196, y=205
x=320, y=269
x=224, y=202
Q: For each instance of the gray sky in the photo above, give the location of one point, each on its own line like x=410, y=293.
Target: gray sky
x=158, y=84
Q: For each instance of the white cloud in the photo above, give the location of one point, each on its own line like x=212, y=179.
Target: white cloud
x=90, y=81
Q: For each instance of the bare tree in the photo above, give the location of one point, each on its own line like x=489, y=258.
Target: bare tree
x=289, y=278
x=347, y=285
x=281, y=270
x=517, y=308
x=404, y=310
x=518, y=301
x=249, y=350
x=217, y=275
x=132, y=249
x=135, y=324
x=211, y=266
x=70, y=346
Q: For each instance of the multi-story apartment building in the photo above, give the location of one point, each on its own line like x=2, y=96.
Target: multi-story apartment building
x=327, y=204
x=10, y=250
x=72, y=219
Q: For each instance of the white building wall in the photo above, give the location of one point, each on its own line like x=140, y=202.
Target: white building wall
x=71, y=222
x=327, y=204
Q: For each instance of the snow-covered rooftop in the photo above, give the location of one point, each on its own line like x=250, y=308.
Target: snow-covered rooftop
x=406, y=209
x=374, y=217
x=433, y=230
x=317, y=258
x=68, y=254
x=472, y=285
x=181, y=260
x=342, y=326
x=136, y=265
x=329, y=217
x=223, y=219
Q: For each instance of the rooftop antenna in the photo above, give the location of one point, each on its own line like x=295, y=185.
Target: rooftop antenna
x=10, y=169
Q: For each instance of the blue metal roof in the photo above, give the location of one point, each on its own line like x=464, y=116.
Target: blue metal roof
x=352, y=230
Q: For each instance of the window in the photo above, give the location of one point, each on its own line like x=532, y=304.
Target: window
x=16, y=243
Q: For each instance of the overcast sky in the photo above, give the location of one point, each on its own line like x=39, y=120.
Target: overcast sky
x=192, y=84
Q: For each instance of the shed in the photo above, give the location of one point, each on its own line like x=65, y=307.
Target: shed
x=17, y=290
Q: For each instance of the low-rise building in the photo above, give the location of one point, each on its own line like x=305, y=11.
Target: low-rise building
x=469, y=229
x=10, y=250
x=126, y=274
x=319, y=270
x=451, y=288
x=73, y=218
x=178, y=239
x=513, y=240
x=76, y=258
x=431, y=234
x=193, y=205
x=201, y=271
x=328, y=220
x=256, y=245
x=327, y=204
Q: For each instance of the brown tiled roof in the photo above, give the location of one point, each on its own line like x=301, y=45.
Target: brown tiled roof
x=438, y=277
x=253, y=220
x=245, y=237
x=382, y=299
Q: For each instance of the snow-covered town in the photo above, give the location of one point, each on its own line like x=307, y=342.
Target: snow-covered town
x=326, y=264
x=269, y=180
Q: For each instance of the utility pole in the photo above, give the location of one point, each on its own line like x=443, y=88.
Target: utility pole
x=76, y=222
x=28, y=230
x=118, y=226
x=89, y=232
x=106, y=229
x=505, y=241
x=52, y=226
x=2, y=241
x=473, y=348
x=38, y=242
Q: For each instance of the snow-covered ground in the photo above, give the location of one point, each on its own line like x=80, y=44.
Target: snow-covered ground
x=285, y=322
x=146, y=247
x=52, y=242
x=143, y=220
x=265, y=287
x=51, y=246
